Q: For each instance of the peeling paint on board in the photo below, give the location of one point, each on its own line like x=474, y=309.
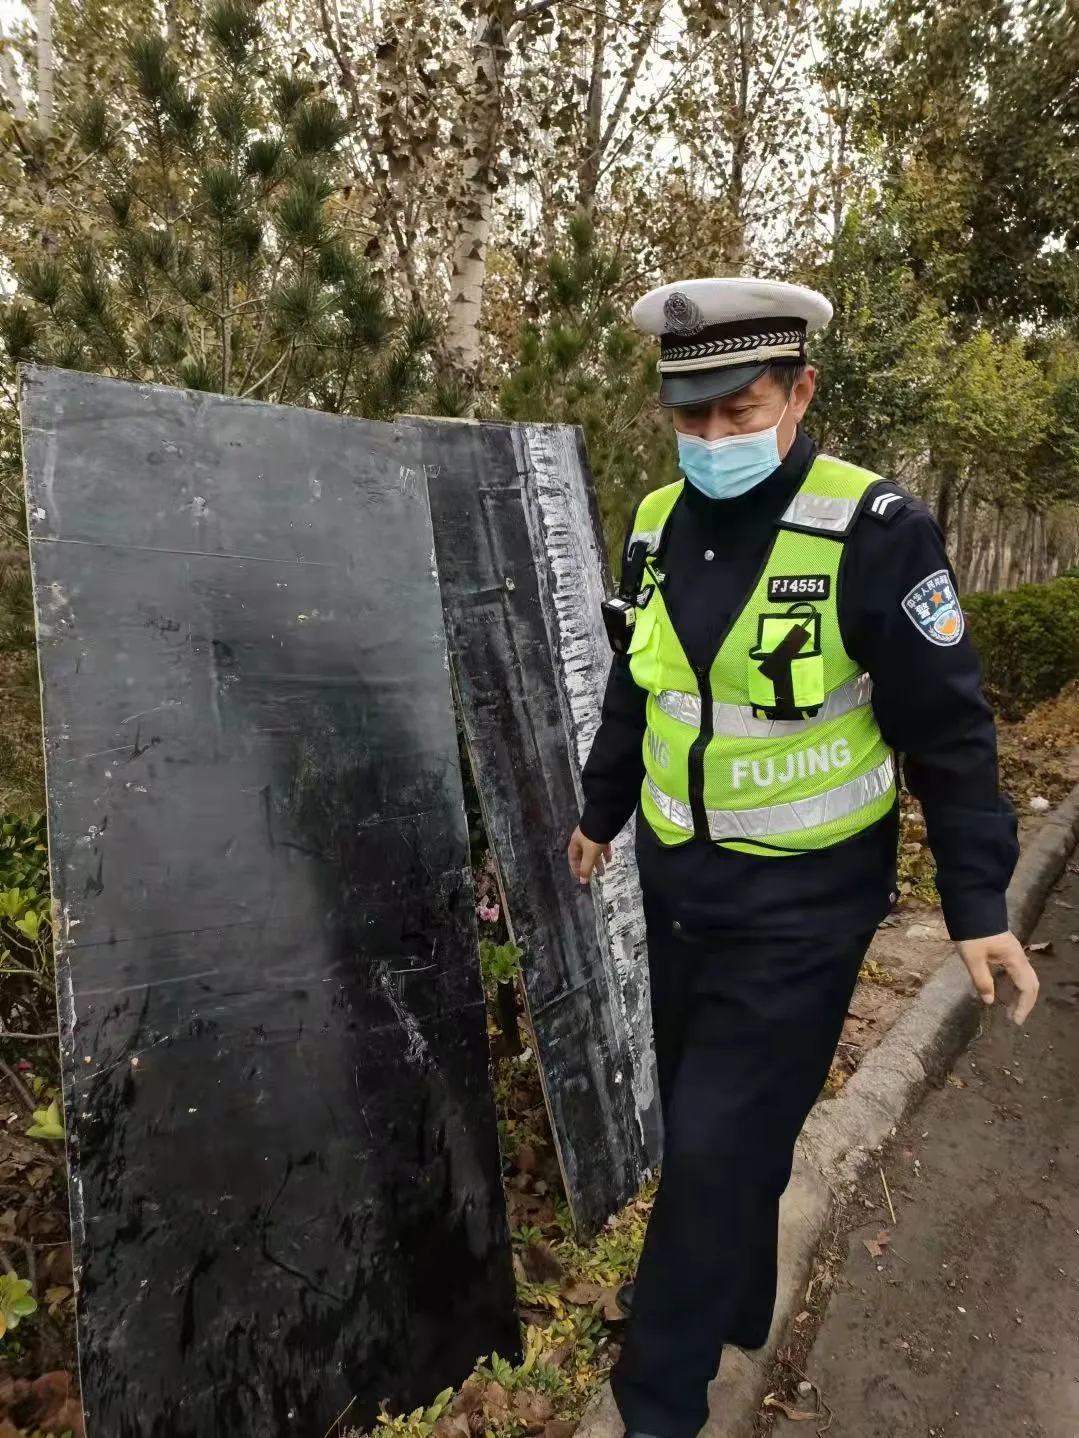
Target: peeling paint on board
x=554, y=455
x=519, y=560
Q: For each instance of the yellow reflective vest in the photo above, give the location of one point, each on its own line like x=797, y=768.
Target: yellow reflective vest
x=775, y=749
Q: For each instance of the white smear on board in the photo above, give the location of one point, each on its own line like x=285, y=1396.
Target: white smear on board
x=571, y=594
x=417, y=1044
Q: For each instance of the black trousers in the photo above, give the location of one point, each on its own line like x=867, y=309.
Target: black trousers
x=745, y=1030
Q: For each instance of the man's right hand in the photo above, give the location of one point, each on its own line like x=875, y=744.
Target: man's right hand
x=586, y=857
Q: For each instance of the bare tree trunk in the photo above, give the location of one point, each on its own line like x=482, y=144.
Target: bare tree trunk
x=45, y=94
x=997, y=580
x=476, y=202
x=744, y=60
x=592, y=166
x=981, y=554
x=387, y=211
x=1028, y=546
x=588, y=172
x=946, y=500
x=960, y=548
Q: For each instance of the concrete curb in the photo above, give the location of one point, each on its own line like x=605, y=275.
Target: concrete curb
x=841, y=1134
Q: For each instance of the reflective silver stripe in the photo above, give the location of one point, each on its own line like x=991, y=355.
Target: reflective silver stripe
x=790, y=818
x=820, y=511
x=737, y=721
x=651, y=538
x=686, y=708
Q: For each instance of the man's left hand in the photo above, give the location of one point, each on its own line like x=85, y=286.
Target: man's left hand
x=1004, y=950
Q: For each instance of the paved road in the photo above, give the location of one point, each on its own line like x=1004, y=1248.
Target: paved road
x=967, y=1325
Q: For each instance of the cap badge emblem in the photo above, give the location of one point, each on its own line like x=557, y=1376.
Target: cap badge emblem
x=682, y=315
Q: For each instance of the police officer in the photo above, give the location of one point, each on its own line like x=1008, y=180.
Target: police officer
x=788, y=624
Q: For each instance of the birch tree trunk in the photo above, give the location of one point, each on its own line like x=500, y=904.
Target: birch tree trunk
x=9, y=82
x=483, y=132
x=37, y=131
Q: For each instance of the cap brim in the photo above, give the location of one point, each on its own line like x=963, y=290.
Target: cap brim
x=695, y=387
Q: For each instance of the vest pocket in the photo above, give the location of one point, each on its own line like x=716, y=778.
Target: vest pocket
x=785, y=674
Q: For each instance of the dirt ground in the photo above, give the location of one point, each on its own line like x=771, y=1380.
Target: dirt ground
x=960, y=1319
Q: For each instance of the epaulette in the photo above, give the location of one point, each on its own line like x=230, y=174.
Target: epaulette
x=885, y=502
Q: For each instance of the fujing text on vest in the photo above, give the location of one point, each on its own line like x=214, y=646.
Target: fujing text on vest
x=819, y=759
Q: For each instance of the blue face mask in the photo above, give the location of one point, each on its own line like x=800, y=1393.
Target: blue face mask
x=724, y=468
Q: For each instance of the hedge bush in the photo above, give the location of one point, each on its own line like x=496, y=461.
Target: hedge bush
x=1028, y=640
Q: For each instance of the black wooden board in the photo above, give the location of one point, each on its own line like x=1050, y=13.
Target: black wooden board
x=285, y=1174
x=521, y=565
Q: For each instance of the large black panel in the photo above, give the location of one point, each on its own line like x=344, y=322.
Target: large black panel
x=285, y=1171
x=522, y=571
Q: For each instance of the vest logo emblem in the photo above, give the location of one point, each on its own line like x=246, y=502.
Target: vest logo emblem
x=659, y=749
x=932, y=606
x=798, y=765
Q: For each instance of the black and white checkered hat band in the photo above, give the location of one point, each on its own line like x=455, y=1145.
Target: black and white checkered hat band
x=703, y=352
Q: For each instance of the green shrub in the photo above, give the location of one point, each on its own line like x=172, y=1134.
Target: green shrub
x=1028, y=640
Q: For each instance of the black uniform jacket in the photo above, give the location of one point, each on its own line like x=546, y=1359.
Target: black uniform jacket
x=928, y=701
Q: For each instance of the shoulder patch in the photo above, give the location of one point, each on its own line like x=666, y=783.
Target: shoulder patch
x=932, y=606
x=886, y=502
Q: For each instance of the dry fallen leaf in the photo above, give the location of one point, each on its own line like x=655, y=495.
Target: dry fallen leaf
x=532, y=1409
x=470, y=1398
x=583, y=1293
x=559, y=1355
x=876, y=1246
x=452, y=1425
x=496, y=1403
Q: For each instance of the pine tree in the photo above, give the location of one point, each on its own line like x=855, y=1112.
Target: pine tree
x=580, y=362
x=210, y=242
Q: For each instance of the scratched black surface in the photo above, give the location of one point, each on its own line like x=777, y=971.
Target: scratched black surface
x=286, y=1185
x=491, y=555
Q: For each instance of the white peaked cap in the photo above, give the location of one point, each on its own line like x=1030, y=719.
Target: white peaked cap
x=717, y=336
